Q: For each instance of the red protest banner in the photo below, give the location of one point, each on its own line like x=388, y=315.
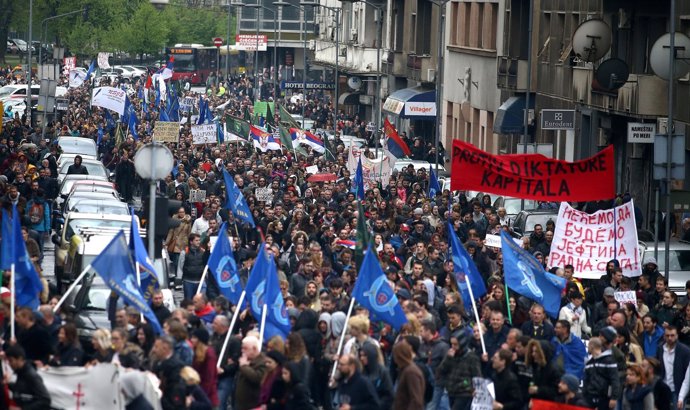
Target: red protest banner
x=533, y=176
x=550, y=405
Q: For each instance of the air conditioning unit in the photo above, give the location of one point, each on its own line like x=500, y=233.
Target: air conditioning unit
x=353, y=35
x=431, y=75
x=312, y=45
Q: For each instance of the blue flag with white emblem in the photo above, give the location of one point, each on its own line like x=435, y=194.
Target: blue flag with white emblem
x=464, y=269
x=373, y=291
x=27, y=283
x=234, y=200
x=6, y=246
x=223, y=267
x=526, y=276
x=147, y=273
x=116, y=266
x=109, y=121
x=263, y=289
x=91, y=69
x=359, y=181
x=434, y=187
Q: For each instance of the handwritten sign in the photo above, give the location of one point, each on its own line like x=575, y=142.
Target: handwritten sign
x=373, y=170
x=494, y=241
x=263, y=194
x=533, y=176
x=204, y=134
x=589, y=241
x=197, y=195
x=482, y=400
x=626, y=297
x=166, y=131
x=312, y=169
x=186, y=104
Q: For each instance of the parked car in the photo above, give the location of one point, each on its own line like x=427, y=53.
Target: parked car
x=69, y=181
x=22, y=45
x=94, y=167
x=513, y=206
x=12, y=48
x=679, y=262
x=86, y=147
x=524, y=222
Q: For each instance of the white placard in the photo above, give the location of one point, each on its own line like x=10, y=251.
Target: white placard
x=103, y=61
x=641, y=133
x=589, y=241
x=421, y=109
x=374, y=171
x=76, y=78
x=313, y=169
x=263, y=194
x=197, y=195
x=186, y=104
x=626, y=297
x=482, y=399
x=204, y=134
x=110, y=98
x=494, y=241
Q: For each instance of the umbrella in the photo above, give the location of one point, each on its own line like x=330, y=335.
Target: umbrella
x=322, y=177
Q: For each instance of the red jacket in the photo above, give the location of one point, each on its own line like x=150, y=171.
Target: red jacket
x=209, y=375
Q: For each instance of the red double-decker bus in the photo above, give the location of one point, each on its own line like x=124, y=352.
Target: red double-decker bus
x=193, y=62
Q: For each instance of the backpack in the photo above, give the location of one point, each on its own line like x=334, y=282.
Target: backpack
x=36, y=213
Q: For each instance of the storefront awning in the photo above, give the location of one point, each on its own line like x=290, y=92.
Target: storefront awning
x=415, y=103
x=510, y=118
x=348, y=99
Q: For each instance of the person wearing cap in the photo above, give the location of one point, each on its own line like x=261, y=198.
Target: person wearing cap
x=569, y=391
x=600, y=307
x=651, y=268
x=601, y=383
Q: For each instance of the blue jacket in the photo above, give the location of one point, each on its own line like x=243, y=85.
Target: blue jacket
x=573, y=353
x=44, y=225
x=651, y=342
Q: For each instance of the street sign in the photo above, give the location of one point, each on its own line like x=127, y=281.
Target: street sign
x=641, y=133
x=247, y=42
x=217, y=41
x=62, y=104
x=558, y=119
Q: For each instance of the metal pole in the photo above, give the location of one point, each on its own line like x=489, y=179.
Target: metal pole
x=525, y=120
x=275, y=59
x=439, y=78
x=656, y=223
x=29, y=101
x=337, y=72
x=669, y=133
x=280, y=38
x=379, y=40
x=152, y=213
x=256, y=53
x=227, y=44
x=304, y=63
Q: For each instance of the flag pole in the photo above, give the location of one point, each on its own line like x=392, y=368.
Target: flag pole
x=476, y=313
x=510, y=317
x=203, y=278
x=71, y=288
x=238, y=309
x=13, y=293
x=137, y=266
x=264, y=310
x=342, y=336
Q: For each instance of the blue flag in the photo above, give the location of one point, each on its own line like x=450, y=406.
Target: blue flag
x=174, y=109
x=202, y=111
x=220, y=131
x=109, y=121
x=132, y=125
x=158, y=98
x=464, y=269
x=263, y=288
x=91, y=69
x=434, y=187
x=164, y=116
x=116, y=266
x=27, y=282
x=140, y=94
x=525, y=275
x=234, y=200
x=373, y=291
x=100, y=136
x=147, y=272
x=175, y=171
x=223, y=267
x=6, y=246
x=208, y=117
x=359, y=181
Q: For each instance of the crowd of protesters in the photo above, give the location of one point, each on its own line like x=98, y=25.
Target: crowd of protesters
x=597, y=353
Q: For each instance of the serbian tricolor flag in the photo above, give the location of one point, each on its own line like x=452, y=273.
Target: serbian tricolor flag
x=167, y=71
x=346, y=243
x=550, y=405
x=307, y=138
x=263, y=140
x=395, y=145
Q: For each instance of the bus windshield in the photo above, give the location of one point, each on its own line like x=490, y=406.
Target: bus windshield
x=184, y=63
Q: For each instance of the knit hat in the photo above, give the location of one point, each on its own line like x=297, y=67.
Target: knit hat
x=571, y=381
x=201, y=334
x=609, y=291
x=276, y=356
x=608, y=333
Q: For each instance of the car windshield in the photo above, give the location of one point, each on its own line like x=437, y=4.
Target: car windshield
x=74, y=146
x=75, y=225
x=7, y=90
x=100, y=207
x=540, y=219
x=513, y=206
x=94, y=168
x=678, y=259
x=98, y=297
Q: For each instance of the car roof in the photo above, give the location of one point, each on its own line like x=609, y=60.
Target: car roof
x=99, y=182
x=675, y=244
x=88, y=215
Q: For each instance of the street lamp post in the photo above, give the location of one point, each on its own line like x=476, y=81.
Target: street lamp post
x=337, y=57
x=303, y=10
x=439, y=74
x=28, y=50
x=275, y=45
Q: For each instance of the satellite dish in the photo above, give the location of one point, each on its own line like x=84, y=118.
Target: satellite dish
x=659, y=56
x=354, y=82
x=611, y=75
x=592, y=40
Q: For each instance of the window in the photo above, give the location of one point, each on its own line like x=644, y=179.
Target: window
x=473, y=24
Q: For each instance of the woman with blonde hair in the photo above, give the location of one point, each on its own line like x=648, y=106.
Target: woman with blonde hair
x=545, y=372
x=102, y=344
x=195, y=397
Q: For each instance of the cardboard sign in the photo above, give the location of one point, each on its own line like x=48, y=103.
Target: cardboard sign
x=533, y=176
x=197, y=195
x=166, y=131
x=373, y=170
x=626, y=297
x=263, y=194
x=589, y=241
x=482, y=400
x=186, y=104
x=494, y=241
x=313, y=169
x=204, y=134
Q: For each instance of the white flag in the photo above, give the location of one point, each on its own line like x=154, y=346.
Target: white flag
x=76, y=78
x=103, y=61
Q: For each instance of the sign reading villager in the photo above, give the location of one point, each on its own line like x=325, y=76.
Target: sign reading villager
x=590, y=241
x=533, y=176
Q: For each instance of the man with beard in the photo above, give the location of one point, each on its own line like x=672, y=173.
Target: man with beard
x=354, y=391
x=312, y=293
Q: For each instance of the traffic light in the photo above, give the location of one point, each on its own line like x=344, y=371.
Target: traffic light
x=165, y=209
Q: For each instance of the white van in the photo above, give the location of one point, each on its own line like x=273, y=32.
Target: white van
x=19, y=90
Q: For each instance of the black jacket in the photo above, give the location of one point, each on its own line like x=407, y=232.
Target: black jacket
x=680, y=364
x=601, y=381
x=28, y=391
x=360, y=392
x=508, y=390
x=70, y=355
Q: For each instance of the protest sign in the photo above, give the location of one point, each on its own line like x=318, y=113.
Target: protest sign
x=494, y=241
x=103, y=61
x=313, y=169
x=533, y=176
x=550, y=405
x=373, y=170
x=110, y=98
x=197, y=195
x=482, y=400
x=625, y=298
x=263, y=194
x=186, y=104
x=166, y=131
x=204, y=134
x=589, y=241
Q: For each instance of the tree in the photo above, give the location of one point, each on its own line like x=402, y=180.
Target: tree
x=144, y=33
x=7, y=7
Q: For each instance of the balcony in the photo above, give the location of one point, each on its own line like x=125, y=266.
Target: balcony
x=354, y=58
x=511, y=73
x=420, y=68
